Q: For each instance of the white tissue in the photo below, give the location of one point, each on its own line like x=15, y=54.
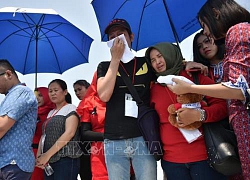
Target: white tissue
x=128, y=54
x=168, y=79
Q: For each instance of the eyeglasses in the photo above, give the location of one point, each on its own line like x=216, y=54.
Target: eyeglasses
x=2, y=73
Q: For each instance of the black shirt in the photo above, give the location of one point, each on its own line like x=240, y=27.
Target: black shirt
x=117, y=125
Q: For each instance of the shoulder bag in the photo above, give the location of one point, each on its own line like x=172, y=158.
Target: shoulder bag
x=148, y=120
x=221, y=145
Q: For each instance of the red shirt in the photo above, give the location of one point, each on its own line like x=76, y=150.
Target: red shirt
x=175, y=147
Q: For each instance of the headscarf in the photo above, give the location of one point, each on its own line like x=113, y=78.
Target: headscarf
x=172, y=55
x=48, y=105
x=42, y=113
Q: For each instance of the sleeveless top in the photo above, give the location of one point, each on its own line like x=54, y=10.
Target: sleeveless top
x=55, y=128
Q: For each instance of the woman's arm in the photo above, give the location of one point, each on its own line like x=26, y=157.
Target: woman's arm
x=89, y=135
x=71, y=126
x=39, y=150
x=214, y=90
x=214, y=109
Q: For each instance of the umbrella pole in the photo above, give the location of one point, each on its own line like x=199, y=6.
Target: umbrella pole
x=171, y=24
x=36, y=56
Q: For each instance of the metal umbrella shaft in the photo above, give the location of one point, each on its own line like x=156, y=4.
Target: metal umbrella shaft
x=36, y=56
x=171, y=23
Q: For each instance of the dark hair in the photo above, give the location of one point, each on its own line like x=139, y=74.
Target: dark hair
x=82, y=82
x=63, y=85
x=231, y=13
x=68, y=98
x=5, y=64
x=197, y=55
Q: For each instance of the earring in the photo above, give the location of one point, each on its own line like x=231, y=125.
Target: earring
x=217, y=16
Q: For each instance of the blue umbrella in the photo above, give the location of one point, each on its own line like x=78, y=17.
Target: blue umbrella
x=41, y=41
x=151, y=21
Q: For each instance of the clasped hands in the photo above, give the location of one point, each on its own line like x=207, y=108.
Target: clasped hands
x=42, y=160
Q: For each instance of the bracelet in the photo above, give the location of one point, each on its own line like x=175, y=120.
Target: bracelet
x=202, y=114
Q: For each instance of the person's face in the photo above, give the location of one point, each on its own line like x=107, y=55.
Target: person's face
x=39, y=98
x=80, y=91
x=2, y=81
x=117, y=31
x=157, y=60
x=208, y=33
x=56, y=94
x=207, y=48
x=206, y=30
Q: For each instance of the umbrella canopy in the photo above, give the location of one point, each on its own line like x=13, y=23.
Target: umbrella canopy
x=151, y=21
x=41, y=41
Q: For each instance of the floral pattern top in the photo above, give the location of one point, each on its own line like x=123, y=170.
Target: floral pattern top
x=236, y=63
x=237, y=75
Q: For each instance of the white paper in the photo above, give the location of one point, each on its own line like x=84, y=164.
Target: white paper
x=128, y=54
x=131, y=108
x=190, y=135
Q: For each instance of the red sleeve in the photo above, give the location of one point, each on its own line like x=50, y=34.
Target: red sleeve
x=86, y=116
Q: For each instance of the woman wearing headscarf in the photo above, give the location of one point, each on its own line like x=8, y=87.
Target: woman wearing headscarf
x=44, y=107
x=181, y=159
x=227, y=21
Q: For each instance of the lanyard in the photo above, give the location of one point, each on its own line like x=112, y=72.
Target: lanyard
x=52, y=115
x=173, y=101
x=133, y=78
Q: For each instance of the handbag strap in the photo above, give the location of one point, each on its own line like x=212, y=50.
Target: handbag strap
x=130, y=86
x=196, y=79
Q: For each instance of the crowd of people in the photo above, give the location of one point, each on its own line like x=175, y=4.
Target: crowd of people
x=44, y=136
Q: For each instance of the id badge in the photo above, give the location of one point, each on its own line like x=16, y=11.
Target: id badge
x=131, y=108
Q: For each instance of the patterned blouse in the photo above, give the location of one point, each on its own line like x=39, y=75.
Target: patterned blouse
x=217, y=71
x=237, y=75
x=237, y=62
x=55, y=128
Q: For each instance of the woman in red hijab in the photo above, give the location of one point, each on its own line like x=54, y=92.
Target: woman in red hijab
x=44, y=107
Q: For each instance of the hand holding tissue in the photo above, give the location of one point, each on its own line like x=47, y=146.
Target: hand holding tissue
x=128, y=54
